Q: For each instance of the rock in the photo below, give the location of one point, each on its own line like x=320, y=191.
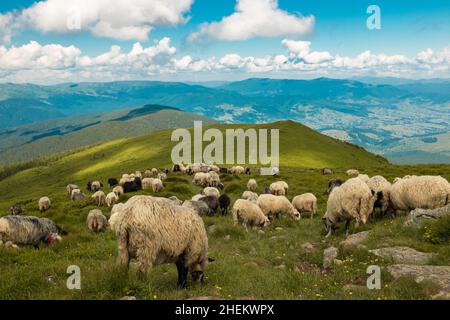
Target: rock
x=261, y=231
x=251, y=264
x=281, y=266
x=353, y=287
x=128, y=298
x=278, y=228
x=329, y=255
x=440, y=275
x=204, y=298
x=227, y=237
x=355, y=240
x=308, y=247
x=417, y=216
x=403, y=255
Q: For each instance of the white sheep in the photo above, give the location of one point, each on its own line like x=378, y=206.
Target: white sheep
x=211, y=191
x=250, y=196
x=111, y=199
x=157, y=185
x=212, y=179
x=249, y=214
x=96, y=221
x=252, y=185
x=279, y=188
x=115, y=215
x=118, y=190
x=364, y=177
x=162, y=176
x=99, y=198
x=44, y=204
x=382, y=188
x=237, y=170
x=200, y=178
x=156, y=232
x=77, y=195
x=306, y=202
x=147, y=183
x=276, y=205
x=352, y=172
x=71, y=187
x=95, y=186
x=154, y=172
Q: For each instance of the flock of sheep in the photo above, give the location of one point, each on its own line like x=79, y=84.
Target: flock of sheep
x=155, y=230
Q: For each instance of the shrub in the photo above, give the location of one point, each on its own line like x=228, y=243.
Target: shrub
x=437, y=232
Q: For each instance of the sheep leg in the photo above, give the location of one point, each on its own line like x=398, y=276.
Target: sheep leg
x=347, y=227
x=182, y=274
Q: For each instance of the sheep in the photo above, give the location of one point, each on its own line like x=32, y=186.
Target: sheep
x=154, y=172
x=351, y=200
x=175, y=200
x=197, y=197
x=115, y=215
x=200, y=178
x=306, y=202
x=200, y=207
x=363, y=177
x=276, y=205
x=147, y=183
x=44, y=204
x=266, y=190
x=148, y=174
x=352, y=172
x=249, y=195
x=70, y=187
x=326, y=171
x=176, y=168
x=112, y=182
x=95, y=186
x=156, y=232
x=212, y=202
x=111, y=199
x=237, y=170
x=162, y=176
x=77, y=195
x=29, y=230
x=118, y=190
x=279, y=188
x=157, y=185
x=96, y=221
x=133, y=185
x=99, y=198
x=423, y=192
x=249, y=214
x=379, y=184
x=333, y=183
x=224, y=170
x=275, y=171
x=138, y=174
x=214, y=168
x=212, y=179
x=15, y=210
x=224, y=203
x=211, y=191
x=252, y=185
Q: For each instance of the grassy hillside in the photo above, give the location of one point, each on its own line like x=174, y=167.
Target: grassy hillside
x=47, y=137
x=265, y=265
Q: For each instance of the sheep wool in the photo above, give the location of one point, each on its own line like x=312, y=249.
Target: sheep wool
x=249, y=214
x=96, y=221
x=44, y=204
x=279, y=188
x=277, y=205
x=99, y=198
x=249, y=195
x=306, y=202
x=252, y=185
x=118, y=190
x=157, y=185
x=157, y=232
x=352, y=172
x=211, y=191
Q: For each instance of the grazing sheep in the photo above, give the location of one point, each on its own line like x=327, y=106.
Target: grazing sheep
x=70, y=187
x=156, y=232
x=381, y=186
x=162, y=176
x=200, y=207
x=197, y=197
x=29, y=230
x=44, y=204
x=15, y=210
x=175, y=200
x=118, y=190
x=212, y=202
x=237, y=170
x=214, y=168
x=212, y=179
x=147, y=183
x=211, y=191
x=132, y=186
x=326, y=171
x=224, y=203
x=77, y=195
x=96, y=221
x=419, y=192
x=154, y=172
x=250, y=196
x=352, y=172
x=351, y=200
x=99, y=198
x=157, y=185
x=148, y=173
x=111, y=199
x=249, y=214
x=248, y=170
x=95, y=186
x=112, y=182
x=363, y=177
x=306, y=202
x=277, y=205
x=252, y=185
x=200, y=178
x=333, y=183
x=279, y=188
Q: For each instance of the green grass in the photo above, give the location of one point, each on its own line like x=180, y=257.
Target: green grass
x=245, y=263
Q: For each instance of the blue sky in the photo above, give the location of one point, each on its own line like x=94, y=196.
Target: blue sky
x=338, y=28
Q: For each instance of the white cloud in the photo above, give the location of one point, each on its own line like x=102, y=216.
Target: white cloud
x=120, y=19
x=255, y=18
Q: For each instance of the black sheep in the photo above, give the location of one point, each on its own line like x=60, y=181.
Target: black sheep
x=248, y=170
x=223, y=170
x=133, y=186
x=112, y=182
x=212, y=202
x=176, y=168
x=224, y=203
x=89, y=185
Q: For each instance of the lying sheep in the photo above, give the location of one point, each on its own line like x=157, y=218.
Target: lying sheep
x=70, y=187
x=249, y=214
x=111, y=199
x=118, y=190
x=224, y=203
x=77, y=195
x=249, y=195
x=15, y=210
x=381, y=186
x=306, y=202
x=29, y=230
x=96, y=221
x=279, y=188
x=155, y=232
x=200, y=207
x=272, y=205
x=211, y=191
x=352, y=200
x=44, y=204
x=252, y=185
x=157, y=185
x=99, y=198
x=352, y=172
x=423, y=192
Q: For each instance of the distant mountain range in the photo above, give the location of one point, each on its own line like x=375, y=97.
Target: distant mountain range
x=393, y=117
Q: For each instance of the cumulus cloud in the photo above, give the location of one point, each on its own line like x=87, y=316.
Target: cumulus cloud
x=120, y=19
x=255, y=18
